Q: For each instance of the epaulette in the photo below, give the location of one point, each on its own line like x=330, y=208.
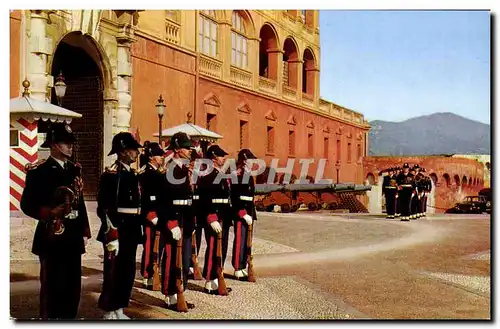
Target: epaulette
x=113, y=169
x=34, y=165
x=141, y=170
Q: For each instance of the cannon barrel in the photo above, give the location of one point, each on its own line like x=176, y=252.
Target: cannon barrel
x=262, y=189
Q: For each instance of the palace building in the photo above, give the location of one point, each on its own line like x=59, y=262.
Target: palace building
x=252, y=76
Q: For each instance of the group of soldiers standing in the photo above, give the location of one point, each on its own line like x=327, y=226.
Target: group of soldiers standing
x=406, y=190
x=160, y=206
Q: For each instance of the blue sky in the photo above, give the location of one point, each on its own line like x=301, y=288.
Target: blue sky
x=394, y=65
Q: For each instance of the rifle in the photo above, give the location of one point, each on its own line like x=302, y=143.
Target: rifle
x=251, y=274
x=62, y=196
x=156, y=269
x=181, y=300
x=194, y=258
x=220, y=275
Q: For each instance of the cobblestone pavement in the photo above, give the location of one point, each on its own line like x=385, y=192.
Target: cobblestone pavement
x=311, y=266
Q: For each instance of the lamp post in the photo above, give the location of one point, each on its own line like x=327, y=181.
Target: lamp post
x=60, y=88
x=160, y=109
x=337, y=166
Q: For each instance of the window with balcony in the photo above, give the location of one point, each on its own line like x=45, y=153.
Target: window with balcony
x=325, y=147
x=291, y=142
x=310, y=144
x=207, y=33
x=239, y=42
x=243, y=134
x=270, y=139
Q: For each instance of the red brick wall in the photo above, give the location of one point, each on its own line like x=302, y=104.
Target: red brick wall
x=15, y=39
x=446, y=196
x=160, y=69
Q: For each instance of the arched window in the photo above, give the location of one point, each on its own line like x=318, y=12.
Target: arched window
x=207, y=33
x=447, y=179
x=434, y=178
x=290, y=64
x=464, y=181
x=239, y=41
x=308, y=73
x=268, y=42
x=457, y=180
x=470, y=182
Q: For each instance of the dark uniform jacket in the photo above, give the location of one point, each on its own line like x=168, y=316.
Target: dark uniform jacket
x=406, y=181
x=385, y=183
x=210, y=193
x=152, y=183
x=41, y=183
x=119, y=190
x=176, y=205
x=242, y=195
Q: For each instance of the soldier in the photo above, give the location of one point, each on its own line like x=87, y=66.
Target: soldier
x=177, y=218
x=118, y=207
x=53, y=196
x=390, y=188
x=397, y=171
x=152, y=180
x=242, y=194
x=415, y=200
x=405, y=183
x=427, y=187
x=216, y=210
x=196, y=153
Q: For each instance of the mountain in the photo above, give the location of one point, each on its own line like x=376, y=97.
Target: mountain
x=438, y=133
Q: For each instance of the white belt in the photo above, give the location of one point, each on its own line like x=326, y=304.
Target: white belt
x=406, y=185
x=246, y=198
x=132, y=211
x=182, y=202
x=390, y=187
x=72, y=215
x=196, y=197
x=220, y=200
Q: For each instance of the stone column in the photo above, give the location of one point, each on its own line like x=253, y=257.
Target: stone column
x=124, y=73
x=294, y=74
x=39, y=48
x=275, y=57
x=224, y=39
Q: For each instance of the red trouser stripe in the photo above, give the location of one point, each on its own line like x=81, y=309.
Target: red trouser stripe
x=210, y=257
x=238, y=245
x=168, y=261
x=147, y=252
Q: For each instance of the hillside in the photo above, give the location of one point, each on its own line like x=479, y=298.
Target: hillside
x=438, y=133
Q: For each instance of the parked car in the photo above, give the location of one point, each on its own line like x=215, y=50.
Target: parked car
x=472, y=205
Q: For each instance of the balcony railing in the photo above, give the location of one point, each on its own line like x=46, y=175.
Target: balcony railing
x=289, y=92
x=307, y=100
x=267, y=85
x=241, y=77
x=172, y=31
x=211, y=67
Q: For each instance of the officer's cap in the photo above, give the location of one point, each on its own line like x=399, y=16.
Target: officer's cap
x=153, y=149
x=180, y=140
x=59, y=133
x=215, y=150
x=245, y=154
x=406, y=165
x=122, y=141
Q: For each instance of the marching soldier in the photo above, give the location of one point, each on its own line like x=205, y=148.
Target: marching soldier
x=427, y=189
x=416, y=195
x=216, y=210
x=53, y=196
x=118, y=207
x=177, y=218
x=397, y=171
x=242, y=195
x=194, y=271
x=390, y=189
x=152, y=178
x=405, y=182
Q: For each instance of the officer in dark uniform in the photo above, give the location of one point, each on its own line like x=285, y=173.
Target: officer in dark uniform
x=53, y=196
x=118, y=207
x=152, y=180
x=427, y=187
x=177, y=217
x=389, y=187
x=397, y=171
x=215, y=202
x=242, y=195
x=199, y=223
x=405, y=186
x=415, y=199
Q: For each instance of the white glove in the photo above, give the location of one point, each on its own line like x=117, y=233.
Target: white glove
x=216, y=227
x=248, y=219
x=113, y=246
x=154, y=221
x=176, y=233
